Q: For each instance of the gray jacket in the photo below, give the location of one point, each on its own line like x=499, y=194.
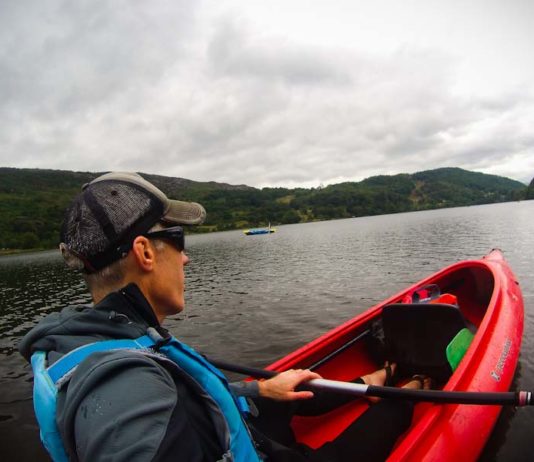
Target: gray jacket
x=120, y=405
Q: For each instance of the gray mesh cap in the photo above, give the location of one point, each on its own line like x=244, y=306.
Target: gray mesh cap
x=111, y=211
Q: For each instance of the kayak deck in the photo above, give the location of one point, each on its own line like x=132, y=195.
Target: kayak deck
x=490, y=300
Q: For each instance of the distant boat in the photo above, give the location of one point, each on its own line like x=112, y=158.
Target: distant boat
x=255, y=231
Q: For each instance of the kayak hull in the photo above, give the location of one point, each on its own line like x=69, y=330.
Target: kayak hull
x=490, y=299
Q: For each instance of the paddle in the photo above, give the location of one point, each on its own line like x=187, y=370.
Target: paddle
x=519, y=398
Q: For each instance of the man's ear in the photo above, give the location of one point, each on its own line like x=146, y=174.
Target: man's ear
x=143, y=253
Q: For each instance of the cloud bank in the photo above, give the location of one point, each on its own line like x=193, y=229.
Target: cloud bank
x=204, y=91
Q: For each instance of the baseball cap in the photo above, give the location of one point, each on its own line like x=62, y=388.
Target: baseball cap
x=111, y=211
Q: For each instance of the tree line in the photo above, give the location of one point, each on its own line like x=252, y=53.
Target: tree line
x=32, y=201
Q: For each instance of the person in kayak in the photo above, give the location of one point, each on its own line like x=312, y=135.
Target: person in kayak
x=128, y=390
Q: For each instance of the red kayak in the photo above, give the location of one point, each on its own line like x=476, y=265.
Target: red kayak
x=462, y=326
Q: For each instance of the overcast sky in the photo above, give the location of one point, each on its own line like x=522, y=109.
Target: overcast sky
x=268, y=93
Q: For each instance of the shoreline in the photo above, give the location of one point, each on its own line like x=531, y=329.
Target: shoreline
x=6, y=252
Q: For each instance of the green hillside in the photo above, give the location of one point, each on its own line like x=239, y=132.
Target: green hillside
x=32, y=201
x=530, y=190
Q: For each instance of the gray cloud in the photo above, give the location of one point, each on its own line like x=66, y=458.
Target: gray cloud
x=162, y=87
x=234, y=53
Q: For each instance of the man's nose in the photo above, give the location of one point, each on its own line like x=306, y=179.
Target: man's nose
x=185, y=259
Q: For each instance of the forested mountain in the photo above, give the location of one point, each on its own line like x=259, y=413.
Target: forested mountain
x=32, y=201
x=530, y=190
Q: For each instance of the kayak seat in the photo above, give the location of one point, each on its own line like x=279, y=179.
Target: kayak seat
x=417, y=335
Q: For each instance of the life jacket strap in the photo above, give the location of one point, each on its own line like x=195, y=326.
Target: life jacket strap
x=68, y=363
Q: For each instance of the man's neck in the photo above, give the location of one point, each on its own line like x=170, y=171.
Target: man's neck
x=134, y=301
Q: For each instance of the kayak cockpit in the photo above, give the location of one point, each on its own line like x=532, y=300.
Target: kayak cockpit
x=426, y=329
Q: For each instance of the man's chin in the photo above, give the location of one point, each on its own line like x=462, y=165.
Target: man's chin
x=174, y=310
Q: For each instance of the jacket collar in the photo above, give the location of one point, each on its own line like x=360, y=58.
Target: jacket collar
x=130, y=304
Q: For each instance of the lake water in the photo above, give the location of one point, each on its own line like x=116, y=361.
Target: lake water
x=251, y=299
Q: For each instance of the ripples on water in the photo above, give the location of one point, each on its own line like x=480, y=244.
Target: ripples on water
x=31, y=286
x=251, y=299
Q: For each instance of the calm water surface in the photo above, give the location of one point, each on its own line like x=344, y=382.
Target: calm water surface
x=251, y=299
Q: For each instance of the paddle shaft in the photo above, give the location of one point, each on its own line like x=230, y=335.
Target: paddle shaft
x=520, y=398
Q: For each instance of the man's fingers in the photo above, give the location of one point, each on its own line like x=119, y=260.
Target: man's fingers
x=302, y=395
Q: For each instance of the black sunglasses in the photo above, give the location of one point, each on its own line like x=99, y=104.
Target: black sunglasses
x=174, y=234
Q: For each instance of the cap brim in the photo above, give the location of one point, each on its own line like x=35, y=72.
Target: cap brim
x=176, y=212
x=184, y=213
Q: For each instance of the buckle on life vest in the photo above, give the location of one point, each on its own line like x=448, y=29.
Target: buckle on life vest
x=157, y=338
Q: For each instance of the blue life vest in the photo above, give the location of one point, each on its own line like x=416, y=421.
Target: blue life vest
x=49, y=380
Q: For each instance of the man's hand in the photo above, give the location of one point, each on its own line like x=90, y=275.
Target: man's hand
x=282, y=387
